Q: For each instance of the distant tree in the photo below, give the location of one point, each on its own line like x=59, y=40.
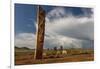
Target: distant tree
x=55, y=48
x=61, y=47
x=48, y=49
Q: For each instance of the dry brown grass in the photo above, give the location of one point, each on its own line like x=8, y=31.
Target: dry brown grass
x=24, y=58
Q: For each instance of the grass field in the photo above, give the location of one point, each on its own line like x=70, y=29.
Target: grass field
x=26, y=56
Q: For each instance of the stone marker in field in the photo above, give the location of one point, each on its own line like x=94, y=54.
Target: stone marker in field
x=61, y=49
x=40, y=33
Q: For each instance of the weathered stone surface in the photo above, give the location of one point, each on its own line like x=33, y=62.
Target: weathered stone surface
x=40, y=33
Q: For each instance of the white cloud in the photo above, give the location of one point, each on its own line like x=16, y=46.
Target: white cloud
x=72, y=27
x=25, y=40
x=69, y=30
x=76, y=27
x=56, y=12
x=58, y=41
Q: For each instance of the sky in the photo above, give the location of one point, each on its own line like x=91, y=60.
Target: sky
x=70, y=27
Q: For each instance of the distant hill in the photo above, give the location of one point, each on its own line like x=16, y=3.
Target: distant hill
x=22, y=49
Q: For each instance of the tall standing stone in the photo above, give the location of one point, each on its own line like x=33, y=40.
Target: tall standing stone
x=40, y=33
